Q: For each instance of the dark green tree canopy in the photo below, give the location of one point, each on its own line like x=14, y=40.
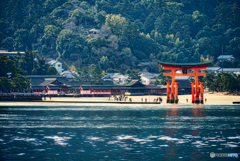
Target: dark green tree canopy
x=80, y=33
x=11, y=77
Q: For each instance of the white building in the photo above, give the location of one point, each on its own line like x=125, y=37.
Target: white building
x=117, y=78
x=215, y=70
x=93, y=33
x=69, y=74
x=225, y=57
x=6, y=52
x=148, y=78
x=231, y=70
x=56, y=64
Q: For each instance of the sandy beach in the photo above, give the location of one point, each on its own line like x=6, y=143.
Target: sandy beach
x=215, y=98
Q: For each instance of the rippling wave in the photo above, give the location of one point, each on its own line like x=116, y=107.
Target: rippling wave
x=113, y=132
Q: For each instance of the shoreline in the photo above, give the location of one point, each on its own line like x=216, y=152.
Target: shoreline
x=215, y=98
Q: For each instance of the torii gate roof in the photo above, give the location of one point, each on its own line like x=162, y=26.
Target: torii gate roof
x=185, y=65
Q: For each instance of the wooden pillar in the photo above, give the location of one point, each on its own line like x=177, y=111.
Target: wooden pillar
x=176, y=92
x=172, y=86
x=168, y=91
x=201, y=95
x=196, y=87
x=193, y=96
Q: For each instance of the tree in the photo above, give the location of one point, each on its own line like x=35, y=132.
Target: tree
x=158, y=6
x=138, y=10
x=235, y=12
x=173, y=9
x=14, y=13
x=209, y=80
x=49, y=5
x=234, y=47
x=205, y=47
x=2, y=29
x=104, y=5
x=100, y=18
x=159, y=27
x=83, y=74
x=78, y=16
x=175, y=27
x=228, y=82
x=50, y=34
x=161, y=77
x=115, y=22
x=128, y=71
x=103, y=63
x=52, y=71
x=157, y=82
x=123, y=42
x=17, y=81
x=222, y=14
x=21, y=40
x=134, y=75
x=149, y=22
x=131, y=31
x=110, y=70
x=158, y=37
x=7, y=43
x=5, y=84
x=199, y=21
x=95, y=75
x=7, y=66
x=27, y=62
x=41, y=66
x=69, y=43
x=205, y=32
x=140, y=26
x=85, y=5
x=127, y=51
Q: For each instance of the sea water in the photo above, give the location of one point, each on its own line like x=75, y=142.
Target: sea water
x=119, y=132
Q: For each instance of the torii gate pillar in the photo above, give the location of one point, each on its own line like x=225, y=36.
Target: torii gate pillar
x=176, y=92
x=193, y=92
x=201, y=95
x=168, y=91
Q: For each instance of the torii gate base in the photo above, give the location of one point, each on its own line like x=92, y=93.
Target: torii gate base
x=197, y=95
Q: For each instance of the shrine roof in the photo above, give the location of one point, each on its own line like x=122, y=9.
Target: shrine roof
x=185, y=65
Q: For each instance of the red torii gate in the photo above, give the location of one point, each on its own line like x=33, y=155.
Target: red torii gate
x=172, y=96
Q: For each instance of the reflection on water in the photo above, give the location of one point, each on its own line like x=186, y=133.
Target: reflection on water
x=175, y=132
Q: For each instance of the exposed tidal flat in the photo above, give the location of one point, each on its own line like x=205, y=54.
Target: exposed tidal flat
x=118, y=131
x=211, y=99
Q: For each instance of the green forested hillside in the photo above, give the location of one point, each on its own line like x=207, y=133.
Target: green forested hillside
x=131, y=30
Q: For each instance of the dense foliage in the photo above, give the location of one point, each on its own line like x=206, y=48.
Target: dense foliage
x=11, y=76
x=222, y=82
x=131, y=30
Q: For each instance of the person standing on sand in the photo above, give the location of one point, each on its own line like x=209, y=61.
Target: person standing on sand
x=187, y=100
x=50, y=97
